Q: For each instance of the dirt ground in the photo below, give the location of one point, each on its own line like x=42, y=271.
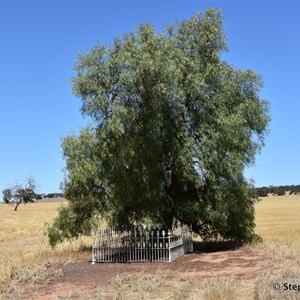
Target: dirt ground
x=244, y=262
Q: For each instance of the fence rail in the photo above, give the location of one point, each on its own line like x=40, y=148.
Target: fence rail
x=140, y=245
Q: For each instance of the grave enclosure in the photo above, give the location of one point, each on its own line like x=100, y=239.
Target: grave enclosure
x=140, y=245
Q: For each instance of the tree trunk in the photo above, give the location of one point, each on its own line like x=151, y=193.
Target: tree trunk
x=168, y=218
x=16, y=206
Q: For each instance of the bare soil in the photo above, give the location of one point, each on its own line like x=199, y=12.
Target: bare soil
x=245, y=263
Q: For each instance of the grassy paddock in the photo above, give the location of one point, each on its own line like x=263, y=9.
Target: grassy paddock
x=278, y=222
x=25, y=256
x=278, y=219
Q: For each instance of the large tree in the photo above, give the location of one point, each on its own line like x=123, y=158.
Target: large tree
x=173, y=128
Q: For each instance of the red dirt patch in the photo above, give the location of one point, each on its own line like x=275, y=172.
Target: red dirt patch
x=244, y=263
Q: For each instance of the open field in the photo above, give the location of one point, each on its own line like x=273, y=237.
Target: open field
x=29, y=269
x=25, y=256
x=278, y=219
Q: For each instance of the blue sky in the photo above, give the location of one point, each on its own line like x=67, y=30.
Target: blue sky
x=39, y=43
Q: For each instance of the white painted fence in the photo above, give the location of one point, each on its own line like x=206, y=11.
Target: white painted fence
x=140, y=245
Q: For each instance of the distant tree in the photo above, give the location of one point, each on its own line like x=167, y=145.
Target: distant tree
x=25, y=193
x=39, y=196
x=295, y=189
x=7, y=195
x=173, y=127
x=280, y=191
x=262, y=191
x=54, y=195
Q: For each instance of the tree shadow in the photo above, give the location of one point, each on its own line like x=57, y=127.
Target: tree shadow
x=85, y=248
x=207, y=247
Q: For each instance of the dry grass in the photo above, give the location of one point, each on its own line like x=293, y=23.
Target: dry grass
x=26, y=258
x=278, y=219
x=264, y=289
x=278, y=222
x=156, y=286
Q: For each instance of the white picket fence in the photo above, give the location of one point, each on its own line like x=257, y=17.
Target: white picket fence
x=140, y=245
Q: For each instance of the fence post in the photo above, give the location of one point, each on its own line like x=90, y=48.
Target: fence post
x=93, y=247
x=163, y=246
x=191, y=237
x=169, y=244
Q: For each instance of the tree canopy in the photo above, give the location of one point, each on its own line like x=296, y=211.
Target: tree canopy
x=173, y=128
x=21, y=193
x=7, y=195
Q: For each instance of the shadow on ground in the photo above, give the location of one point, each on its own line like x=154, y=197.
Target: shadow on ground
x=209, y=247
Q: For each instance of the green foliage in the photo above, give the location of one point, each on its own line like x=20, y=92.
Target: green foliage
x=26, y=193
x=280, y=190
x=173, y=127
x=7, y=195
x=54, y=195
x=21, y=193
x=66, y=226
